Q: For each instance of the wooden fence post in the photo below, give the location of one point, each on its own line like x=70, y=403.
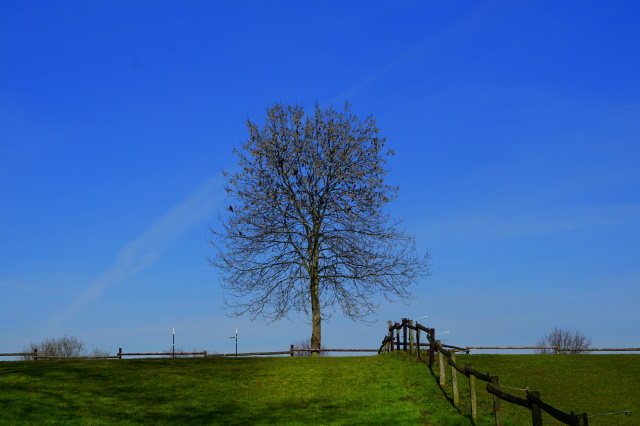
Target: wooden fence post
x=583, y=419
x=411, y=342
x=390, y=342
x=441, y=365
x=418, y=344
x=291, y=350
x=397, y=339
x=497, y=405
x=432, y=337
x=119, y=353
x=404, y=334
x=472, y=391
x=454, y=380
x=35, y=354
x=536, y=412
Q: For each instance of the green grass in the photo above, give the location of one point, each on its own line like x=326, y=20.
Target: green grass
x=595, y=384
x=298, y=390
x=389, y=389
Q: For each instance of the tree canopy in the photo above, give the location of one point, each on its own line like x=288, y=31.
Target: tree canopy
x=306, y=228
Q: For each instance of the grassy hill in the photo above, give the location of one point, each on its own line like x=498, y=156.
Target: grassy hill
x=595, y=384
x=389, y=389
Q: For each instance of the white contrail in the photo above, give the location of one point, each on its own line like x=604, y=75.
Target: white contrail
x=437, y=77
x=484, y=58
x=147, y=248
x=373, y=77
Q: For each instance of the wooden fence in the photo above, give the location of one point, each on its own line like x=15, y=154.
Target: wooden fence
x=533, y=401
x=34, y=355
x=405, y=342
x=292, y=351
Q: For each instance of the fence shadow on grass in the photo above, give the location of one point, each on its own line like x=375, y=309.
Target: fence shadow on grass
x=533, y=402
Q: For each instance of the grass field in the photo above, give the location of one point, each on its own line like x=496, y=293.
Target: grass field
x=389, y=389
x=595, y=384
x=289, y=390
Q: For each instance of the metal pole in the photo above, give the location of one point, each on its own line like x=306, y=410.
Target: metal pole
x=236, y=341
x=173, y=343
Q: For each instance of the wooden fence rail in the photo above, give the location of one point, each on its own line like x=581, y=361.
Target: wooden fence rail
x=252, y=354
x=557, y=349
x=334, y=350
x=34, y=355
x=533, y=402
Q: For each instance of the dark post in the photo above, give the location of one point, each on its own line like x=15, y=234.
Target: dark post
x=119, y=353
x=432, y=339
x=397, y=339
x=418, y=343
x=404, y=333
x=35, y=354
x=536, y=412
x=291, y=350
x=173, y=343
x=583, y=419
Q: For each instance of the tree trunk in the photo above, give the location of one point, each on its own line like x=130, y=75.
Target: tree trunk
x=314, y=282
x=316, y=319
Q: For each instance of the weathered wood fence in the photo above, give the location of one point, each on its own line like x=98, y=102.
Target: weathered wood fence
x=35, y=356
x=408, y=343
x=292, y=351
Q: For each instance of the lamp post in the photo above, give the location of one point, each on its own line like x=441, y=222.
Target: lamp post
x=236, y=341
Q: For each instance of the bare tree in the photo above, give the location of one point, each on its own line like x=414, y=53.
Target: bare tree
x=177, y=352
x=307, y=228
x=568, y=342
x=182, y=353
x=98, y=353
x=306, y=344
x=67, y=346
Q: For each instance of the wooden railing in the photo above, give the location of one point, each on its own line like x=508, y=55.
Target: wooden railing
x=533, y=402
x=292, y=351
x=35, y=356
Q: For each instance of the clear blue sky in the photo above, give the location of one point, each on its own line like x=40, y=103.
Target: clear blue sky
x=516, y=127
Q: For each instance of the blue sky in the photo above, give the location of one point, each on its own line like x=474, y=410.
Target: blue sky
x=516, y=127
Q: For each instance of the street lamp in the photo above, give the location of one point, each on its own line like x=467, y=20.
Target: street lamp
x=426, y=316
x=236, y=341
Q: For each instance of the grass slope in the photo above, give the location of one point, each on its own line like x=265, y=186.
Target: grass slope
x=298, y=390
x=389, y=389
x=595, y=384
